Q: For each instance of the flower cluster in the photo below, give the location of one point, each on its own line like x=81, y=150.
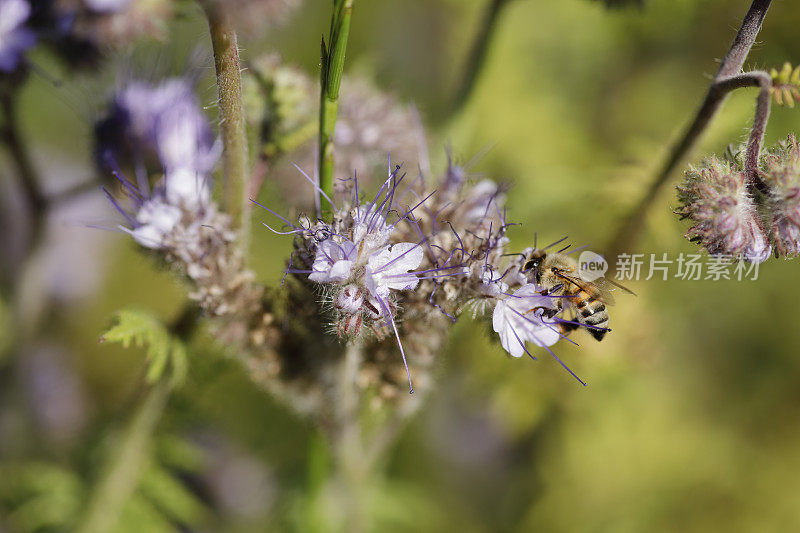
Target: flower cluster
x=160, y=129
x=734, y=217
x=466, y=225
x=112, y=23
x=251, y=17
x=393, y=269
x=358, y=262
x=715, y=197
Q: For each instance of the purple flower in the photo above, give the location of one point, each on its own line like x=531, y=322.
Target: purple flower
x=166, y=121
x=334, y=261
x=15, y=38
x=162, y=122
x=356, y=261
x=107, y=6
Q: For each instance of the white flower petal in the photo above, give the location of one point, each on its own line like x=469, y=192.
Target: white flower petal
x=513, y=320
x=185, y=186
x=340, y=270
x=333, y=262
x=148, y=236
x=389, y=268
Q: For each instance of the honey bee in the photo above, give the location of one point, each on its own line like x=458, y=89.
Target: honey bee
x=558, y=275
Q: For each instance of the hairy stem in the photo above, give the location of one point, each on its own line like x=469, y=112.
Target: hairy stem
x=231, y=112
x=125, y=464
x=764, y=81
x=731, y=65
x=477, y=56
x=331, y=80
x=348, y=444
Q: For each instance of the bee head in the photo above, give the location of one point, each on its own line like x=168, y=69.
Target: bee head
x=534, y=261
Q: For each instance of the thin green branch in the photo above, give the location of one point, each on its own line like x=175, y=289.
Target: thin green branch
x=125, y=464
x=731, y=65
x=231, y=112
x=330, y=82
x=477, y=56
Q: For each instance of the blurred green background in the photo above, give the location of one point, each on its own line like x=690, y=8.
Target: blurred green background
x=690, y=421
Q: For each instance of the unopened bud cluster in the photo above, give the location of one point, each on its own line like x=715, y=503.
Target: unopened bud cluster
x=734, y=217
x=716, y=199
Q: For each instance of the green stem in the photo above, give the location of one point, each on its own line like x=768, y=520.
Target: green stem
x=125, y=464
x=331, y=80
x=477, y=56
x=351, y=471
x=231, y=112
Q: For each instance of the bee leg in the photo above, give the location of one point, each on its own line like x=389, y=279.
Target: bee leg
x=565, y=328
x=547, y=312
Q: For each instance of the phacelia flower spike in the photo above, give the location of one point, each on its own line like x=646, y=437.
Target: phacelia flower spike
x=726, y=222
x=361, y=261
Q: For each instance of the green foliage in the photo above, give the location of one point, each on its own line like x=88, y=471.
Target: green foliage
x=170, y=496
x=785, y=84
x=44, y=496
x=37, y=495
x=164, y=350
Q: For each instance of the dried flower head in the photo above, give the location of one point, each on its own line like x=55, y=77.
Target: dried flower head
x=280, y=102
x=251, y=17
x=781, y=172
x=726, y=222
x=370, y=124
x=113, y=23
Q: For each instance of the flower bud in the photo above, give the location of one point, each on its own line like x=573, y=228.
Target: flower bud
x=726, y=221
x=781, y=173
x=350, y=300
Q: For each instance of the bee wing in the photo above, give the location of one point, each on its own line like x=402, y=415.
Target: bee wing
x=611, y=285
x=599, y=288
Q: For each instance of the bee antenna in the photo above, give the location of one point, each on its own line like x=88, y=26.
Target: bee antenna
x=518, y=253
x=577, y=249
x=535, y=238
x=554, y=243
